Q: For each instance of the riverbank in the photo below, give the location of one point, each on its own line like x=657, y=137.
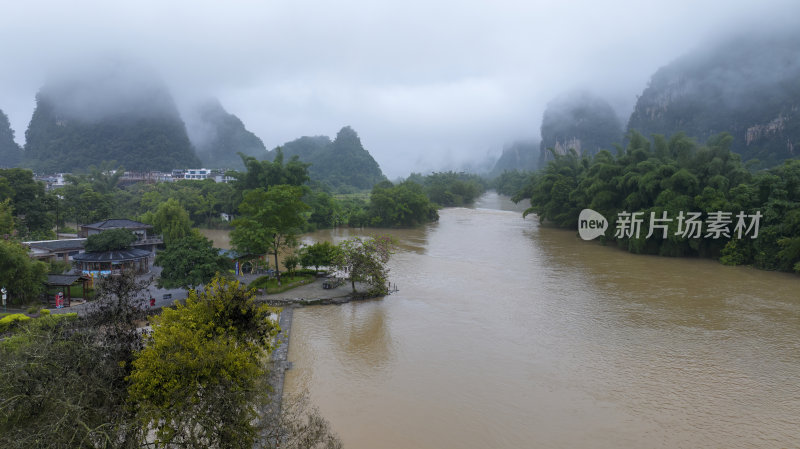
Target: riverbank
x=279, y=360
x=312, y=294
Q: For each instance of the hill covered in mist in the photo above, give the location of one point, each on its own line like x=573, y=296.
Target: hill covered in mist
x=111, y=114
x=342, y=164
x=520, y=155
x=10, y=152
x=581, y=121
x=218, y=136
x=748, y=86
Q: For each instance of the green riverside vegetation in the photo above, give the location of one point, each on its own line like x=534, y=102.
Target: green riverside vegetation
x=670, y=176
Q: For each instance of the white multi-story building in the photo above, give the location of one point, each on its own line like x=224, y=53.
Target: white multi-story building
x=197, y=173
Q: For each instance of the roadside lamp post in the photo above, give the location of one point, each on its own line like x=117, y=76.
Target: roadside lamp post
x=5, y=293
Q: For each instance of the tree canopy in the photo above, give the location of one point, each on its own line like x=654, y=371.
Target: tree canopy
x=364, y=260
x=269, y=220
x=670, y=176
x=190, y=261
x=402, y=205
x=30, y=203
x=200, y=381
x=320, y=254
x=170, y=220
x=22, y=276
x=110, y=240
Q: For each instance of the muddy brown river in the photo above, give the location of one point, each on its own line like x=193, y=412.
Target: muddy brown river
x=505, y=334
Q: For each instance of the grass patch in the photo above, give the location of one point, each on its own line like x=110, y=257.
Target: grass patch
x=287, y=283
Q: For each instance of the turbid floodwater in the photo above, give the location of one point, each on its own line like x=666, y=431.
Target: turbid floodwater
x=506, y=334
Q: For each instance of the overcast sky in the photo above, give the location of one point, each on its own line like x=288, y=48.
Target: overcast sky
x=426, y=84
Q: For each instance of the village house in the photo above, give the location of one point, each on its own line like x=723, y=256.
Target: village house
x=145, y=239
x=55, y=250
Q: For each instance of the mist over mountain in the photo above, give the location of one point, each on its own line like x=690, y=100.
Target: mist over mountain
x=114, y=113
x=218, y=136
x=748, y=86
x=10, y=152
x=581, y=121
x=520, y=155
x=343, y=164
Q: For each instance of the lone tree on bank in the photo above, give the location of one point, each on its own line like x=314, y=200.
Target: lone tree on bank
x=365, y=261
x=270, y=220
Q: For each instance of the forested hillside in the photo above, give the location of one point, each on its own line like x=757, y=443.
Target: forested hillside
x=218, y=136
x=107, y=115
x=748, y=87
x=342, y=164
x=10, y=152
x=580, y=121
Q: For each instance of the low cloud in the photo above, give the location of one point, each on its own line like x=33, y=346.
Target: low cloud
x=423, y=83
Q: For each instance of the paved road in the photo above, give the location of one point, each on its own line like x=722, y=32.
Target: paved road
x=152, y=292
x=306, y=292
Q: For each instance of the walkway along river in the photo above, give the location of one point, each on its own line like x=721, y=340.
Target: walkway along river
x=505, y=334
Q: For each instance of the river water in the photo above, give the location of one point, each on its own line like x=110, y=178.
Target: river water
x=506, y=334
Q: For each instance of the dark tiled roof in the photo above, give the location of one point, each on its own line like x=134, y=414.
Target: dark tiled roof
x=114, y=223
x=63, y=279
x=58, y=245
x=112, y=256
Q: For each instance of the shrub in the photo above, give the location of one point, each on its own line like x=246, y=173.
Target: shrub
x=10, y=321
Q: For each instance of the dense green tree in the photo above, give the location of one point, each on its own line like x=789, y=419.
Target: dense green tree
x=291, y=261
x=6, y=217
x=325, y=210
x=671, y=176
x=22, y=276
x=265, y=174
x=319, y=254
x=190, y=261
x=451, y=189
x=170, y=220
x=204, y=200
x=28, y=198
x=269, y=220
x=364, y=260
x=402, y=205
x=110, y=240
x=200, y=381
x=511, y=182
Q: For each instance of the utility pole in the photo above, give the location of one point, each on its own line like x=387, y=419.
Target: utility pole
x=56, y=216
